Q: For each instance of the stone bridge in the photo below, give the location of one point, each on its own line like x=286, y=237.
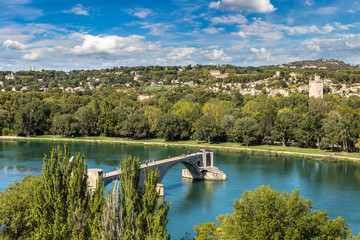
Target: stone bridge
x=198, y=165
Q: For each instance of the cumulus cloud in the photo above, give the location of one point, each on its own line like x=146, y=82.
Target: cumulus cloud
x=260, y=6
x=216, y=55
x=212, y=30
x=261, y=53
x=179, y=53
x=346, y=45
x=261, y=29
x=308, y=2
x=229, y=19
x=14, y=45
x=78, y=9
x=215, y=5
x=113, y=45
x=273, y=32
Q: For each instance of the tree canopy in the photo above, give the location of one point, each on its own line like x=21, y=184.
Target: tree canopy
x=268, y=214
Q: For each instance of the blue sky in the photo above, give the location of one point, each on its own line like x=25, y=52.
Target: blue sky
x=90, y=34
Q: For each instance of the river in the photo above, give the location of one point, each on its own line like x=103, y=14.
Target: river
x=334, y=187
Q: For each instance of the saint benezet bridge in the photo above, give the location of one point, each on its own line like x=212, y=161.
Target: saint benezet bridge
x=199, y=165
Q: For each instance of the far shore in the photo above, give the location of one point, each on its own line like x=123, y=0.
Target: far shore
x=271, y=150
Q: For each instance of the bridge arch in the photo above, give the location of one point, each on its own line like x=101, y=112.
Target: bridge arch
x=193, y=168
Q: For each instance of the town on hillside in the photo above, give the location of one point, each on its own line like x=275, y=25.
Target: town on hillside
x=316, y=77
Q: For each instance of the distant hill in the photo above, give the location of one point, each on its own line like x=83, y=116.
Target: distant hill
x=321, y=63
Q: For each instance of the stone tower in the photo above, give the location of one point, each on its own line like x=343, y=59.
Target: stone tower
x=316, y=87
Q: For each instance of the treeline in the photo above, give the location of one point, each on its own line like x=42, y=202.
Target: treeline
x=185, y=113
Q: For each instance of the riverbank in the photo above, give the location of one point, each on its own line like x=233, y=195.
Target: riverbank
x=270, y=150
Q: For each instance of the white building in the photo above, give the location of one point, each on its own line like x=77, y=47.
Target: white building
x=10, y=76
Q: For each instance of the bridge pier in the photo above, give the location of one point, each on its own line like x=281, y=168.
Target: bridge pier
x=160, y=189
x=209, y=173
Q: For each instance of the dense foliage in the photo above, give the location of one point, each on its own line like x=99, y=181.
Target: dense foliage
x=59, y=205
x=267, y=214
x=187, y=113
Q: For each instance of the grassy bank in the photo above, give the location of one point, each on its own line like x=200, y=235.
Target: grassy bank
x=271, y=150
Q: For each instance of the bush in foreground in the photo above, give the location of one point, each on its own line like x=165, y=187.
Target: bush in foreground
x=268, y=214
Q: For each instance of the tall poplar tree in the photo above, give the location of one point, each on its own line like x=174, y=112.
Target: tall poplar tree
x=64, y=208
x=133, y=211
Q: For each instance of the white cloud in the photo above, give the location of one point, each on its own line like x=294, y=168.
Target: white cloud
x=39, y=53
x=344, y=45
x=213, y=30
x=342, y=27
x=11, y=9
x=260, y=6
x=14, y=45
x=30, y=31
x=229, y=19
x=113, y=45
x=238, y=47
x=142, y=12
x=240, y=34
x=308, y=2
x=259, y=28
x=325, y=11
x=216, y=55
x=179, y=53
x=312, y=46
x=157, y=29
x=78, y=9
x=261, y=53
x=272, y=32
x=215, y=5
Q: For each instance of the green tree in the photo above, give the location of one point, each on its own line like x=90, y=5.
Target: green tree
x=285, y=125
x=133, y=211
x=87, y=120
x=263, y=110
x=268, y=214
x=107, y=119
x=64, y=207
x=25, y=117
x=189, y=113
x=207, y=129
x=246, y=130
x=341, y=128
x=137, y=126
x=169, y=126
x=4, y=115
x=16, y=205
x=310, y=129
x=66, y=124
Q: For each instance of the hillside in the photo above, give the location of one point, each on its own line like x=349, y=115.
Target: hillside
x=322, y=64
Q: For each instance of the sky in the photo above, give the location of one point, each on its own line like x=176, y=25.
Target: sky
x=93, y=34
